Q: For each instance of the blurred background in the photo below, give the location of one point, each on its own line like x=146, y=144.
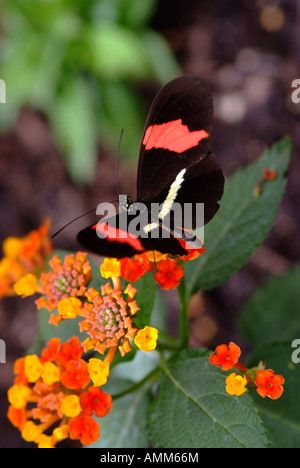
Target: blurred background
x=78, y=72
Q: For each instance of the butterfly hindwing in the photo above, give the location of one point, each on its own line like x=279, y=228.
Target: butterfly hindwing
x=121, y=236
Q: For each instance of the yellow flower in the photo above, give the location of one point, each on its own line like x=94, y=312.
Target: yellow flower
x=111, y=267
x=31, y=431
x=44, y=441
x=50, y=373
x=70, y=406
x=69, y=307
x=12, y=246
x=26, y=286
x=155, y=256
x=60, y=433
x=33, y=368
x=99, y=371
x=146, y=339
x=18, y=396
x=236, y=384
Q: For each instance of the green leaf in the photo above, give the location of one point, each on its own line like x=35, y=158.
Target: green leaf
x=125, y=425
x=243, y=222
x=121, y=108
x=162, y=60
x=280, y=417
x=145, y=298
x=116, y=52
x=194, y=410
x=65, y=330
x=272, y=312
x=73, y=123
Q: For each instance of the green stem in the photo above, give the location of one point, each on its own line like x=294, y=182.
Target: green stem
x=183, y=316
x=150, y=379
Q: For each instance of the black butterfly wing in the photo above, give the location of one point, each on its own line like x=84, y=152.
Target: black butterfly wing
x=176, y=136
x=202, y=183
x=122, y=236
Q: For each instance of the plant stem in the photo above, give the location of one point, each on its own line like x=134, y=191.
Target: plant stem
x=183, y=316
x=150, y=379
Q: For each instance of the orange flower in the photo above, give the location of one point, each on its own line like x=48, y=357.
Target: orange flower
x=226, y=356
x=85, y=428
x=168, y=274
x=67, y=279
x=268, y=384
x=95, y=401
x=268, y=174
x=75, y=375
x=56, y=398
x=23, y=255
x=133, y=269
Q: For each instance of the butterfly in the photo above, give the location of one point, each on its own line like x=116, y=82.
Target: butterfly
x=176, y=168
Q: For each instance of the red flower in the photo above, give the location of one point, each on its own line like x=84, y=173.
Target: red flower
x=75, y=375
x=168, y=274
x=70, y=351
x=85, y=428
x=51, y=352
x=268, y=384
x=95, y=400
x=226, y=356
x=134, y=269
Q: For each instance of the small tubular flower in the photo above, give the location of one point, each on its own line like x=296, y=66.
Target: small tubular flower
x=236, y=384
x=268, y=384
x=146, y=339
x=225, y=356
x=84, y=428
x=95, y=401
x=69, y=308
x=26, y=286
x=98, y=371
x=70, y=406
x=133, y=269
x=110, y=267
x=168, y=274
x=55, y=393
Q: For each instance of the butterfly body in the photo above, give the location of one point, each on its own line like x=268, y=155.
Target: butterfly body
x=176, y=169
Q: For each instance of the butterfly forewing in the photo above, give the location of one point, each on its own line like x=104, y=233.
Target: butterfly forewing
x=176, y=136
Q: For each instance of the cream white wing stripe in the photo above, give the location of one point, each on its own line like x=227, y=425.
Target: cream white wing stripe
x=174, y=189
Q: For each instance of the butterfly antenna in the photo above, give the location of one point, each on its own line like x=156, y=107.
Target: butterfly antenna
x=68, y=224
x=117, y=161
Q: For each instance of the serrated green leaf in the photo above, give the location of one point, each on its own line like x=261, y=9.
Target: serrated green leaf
x=194, y=410
x=280, y=417
x=272, y=312
x=243, y=222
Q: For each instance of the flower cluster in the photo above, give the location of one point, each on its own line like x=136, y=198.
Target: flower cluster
x=58, y=384
x=52, y=397
x=169, y=270
x=265, y=381
x=24, y=255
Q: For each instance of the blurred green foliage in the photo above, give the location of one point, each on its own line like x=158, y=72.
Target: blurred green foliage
x=80, y=63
